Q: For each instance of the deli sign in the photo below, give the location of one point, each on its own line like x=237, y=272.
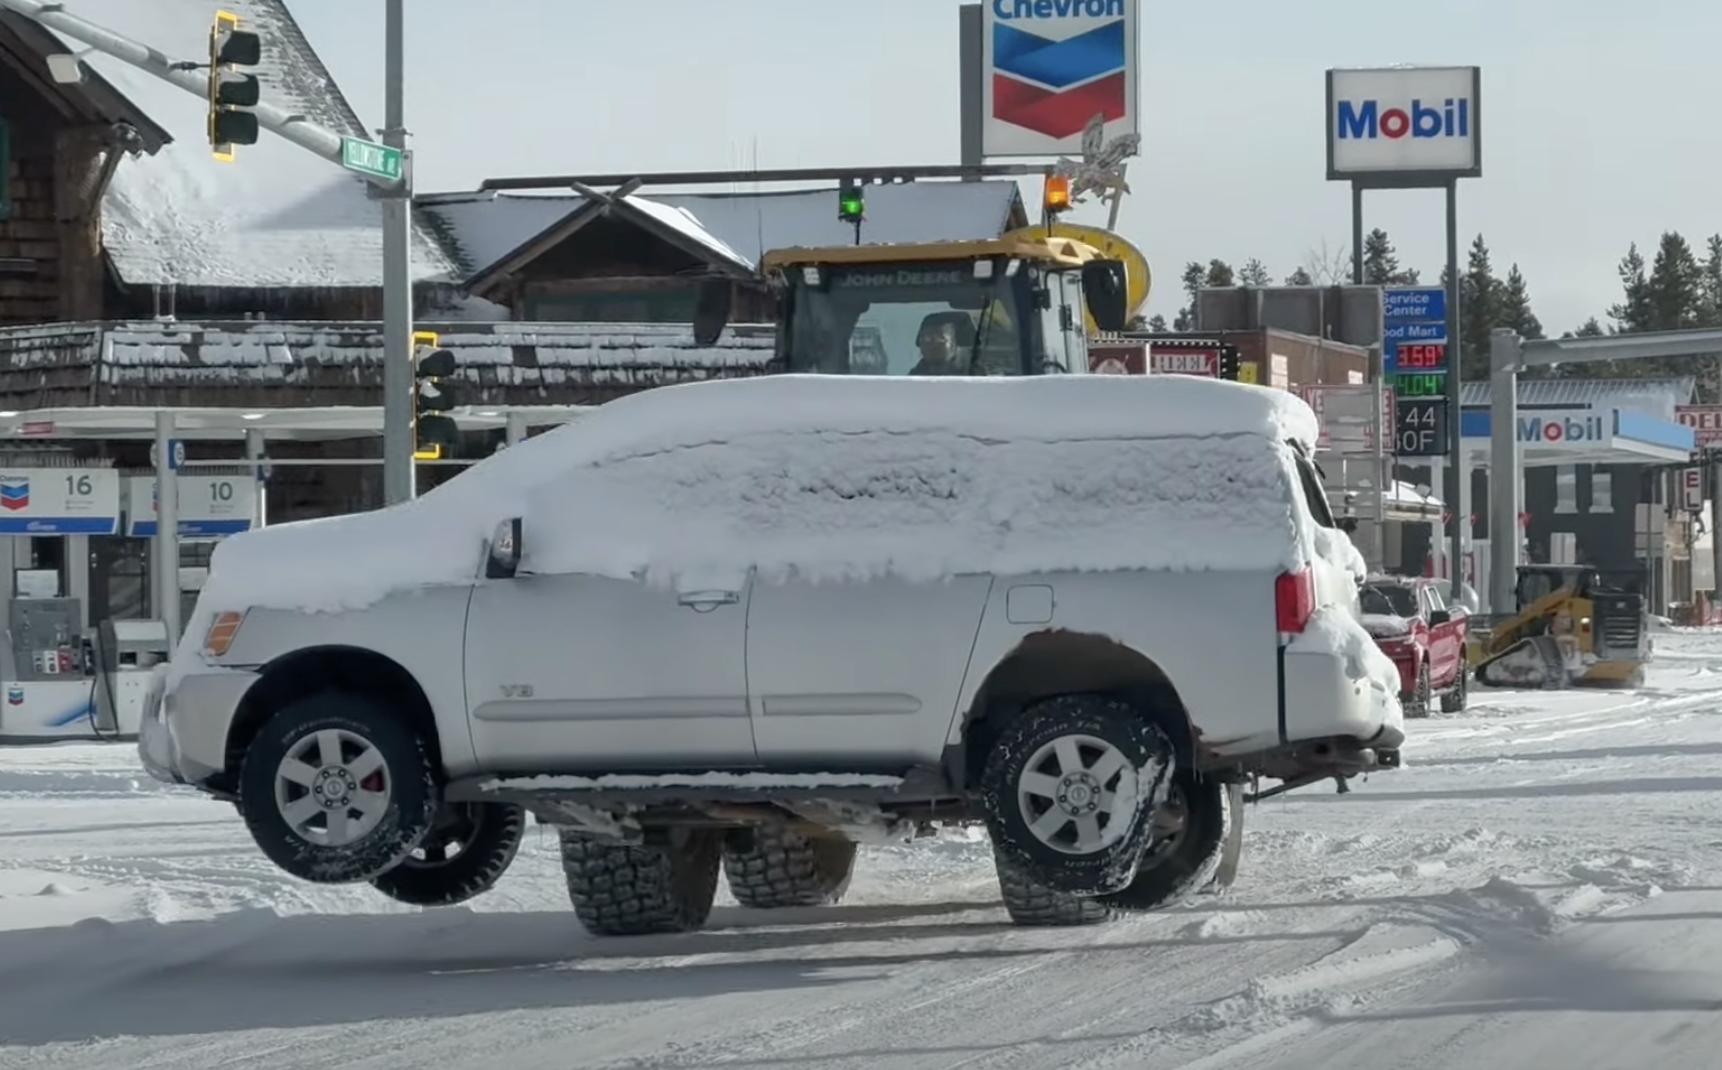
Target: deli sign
x=1705, y=421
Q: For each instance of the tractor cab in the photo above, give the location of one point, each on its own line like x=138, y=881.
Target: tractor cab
x=1012, y=306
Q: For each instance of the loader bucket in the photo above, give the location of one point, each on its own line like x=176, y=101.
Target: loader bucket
x=1533, y=662
x=1627, y=675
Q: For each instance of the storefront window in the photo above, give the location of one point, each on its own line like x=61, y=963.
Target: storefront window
x=1566, y=489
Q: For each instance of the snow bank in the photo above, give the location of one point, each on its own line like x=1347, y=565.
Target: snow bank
x=928, y=477
x=1385, y=625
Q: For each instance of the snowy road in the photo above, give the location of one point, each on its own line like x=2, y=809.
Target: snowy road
x=1543, y=886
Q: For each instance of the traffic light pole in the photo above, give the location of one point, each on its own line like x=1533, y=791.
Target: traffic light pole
x=398, y=385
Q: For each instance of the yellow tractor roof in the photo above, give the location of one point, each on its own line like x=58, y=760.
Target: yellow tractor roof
x=1062, y=252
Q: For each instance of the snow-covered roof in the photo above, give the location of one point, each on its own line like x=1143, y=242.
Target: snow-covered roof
x=276, y=217
x=1654, y=397
x=484, y=227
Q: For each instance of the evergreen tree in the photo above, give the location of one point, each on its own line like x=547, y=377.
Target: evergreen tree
x=1516, y=307
x=1632, y=314
x=1220, y=274
x=1157, y=324
x=1194, y=276
x=1381, y=262
x=1481, y=298
x=1590, y=329
x=1254, y=273
x=1300, y=277
x=1674, y=291
x=1710, y=283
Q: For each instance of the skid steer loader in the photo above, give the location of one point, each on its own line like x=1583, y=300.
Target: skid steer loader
x=1570, y=629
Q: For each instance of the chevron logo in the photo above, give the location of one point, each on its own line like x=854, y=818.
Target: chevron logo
x=1056, y=87
x=15, y=495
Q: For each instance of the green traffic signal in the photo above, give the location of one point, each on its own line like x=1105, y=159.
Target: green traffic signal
x=851, y=203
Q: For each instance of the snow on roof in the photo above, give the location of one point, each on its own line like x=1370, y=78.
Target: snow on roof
x=687, y=224
x=278, y=216
x=484, y=227
x=1654, y=397
x=834, y=477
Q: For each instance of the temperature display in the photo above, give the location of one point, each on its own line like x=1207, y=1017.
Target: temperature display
x=1426, y=356
x=1421, y=385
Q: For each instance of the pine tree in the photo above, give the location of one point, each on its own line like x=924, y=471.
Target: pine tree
x=1193, y=278
x=1516, y=307
x=1480, y=310
x=1710, y=283
x=1157, y=324
x=1220, y=274
x=1254, y=273
x=1590, y=329
x=1674, y=291
x=1300, y=277
x=1632, y=314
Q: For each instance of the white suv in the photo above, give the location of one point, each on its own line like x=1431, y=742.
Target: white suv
x=748, y=624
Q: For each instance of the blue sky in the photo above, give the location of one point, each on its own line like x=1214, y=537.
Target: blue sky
x=1598, y=116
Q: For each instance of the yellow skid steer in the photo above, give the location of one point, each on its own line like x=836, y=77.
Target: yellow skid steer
x=1570, y=629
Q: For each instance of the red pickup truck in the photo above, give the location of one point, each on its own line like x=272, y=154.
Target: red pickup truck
x=1413, y=624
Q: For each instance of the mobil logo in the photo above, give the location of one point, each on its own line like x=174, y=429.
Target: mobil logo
x=1561, y=430
x=1367, y=120
x=1056, y=64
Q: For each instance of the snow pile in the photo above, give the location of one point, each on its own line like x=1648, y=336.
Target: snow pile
x=832, y=477
x=1335, y=627
x=1385, y=625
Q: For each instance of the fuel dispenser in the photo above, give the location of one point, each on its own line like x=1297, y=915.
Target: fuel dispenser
x=61, y=686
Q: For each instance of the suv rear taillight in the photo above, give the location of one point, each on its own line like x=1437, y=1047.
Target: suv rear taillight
x=1294, y=600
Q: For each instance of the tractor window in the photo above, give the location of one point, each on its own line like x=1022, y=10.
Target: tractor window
x=905, y=319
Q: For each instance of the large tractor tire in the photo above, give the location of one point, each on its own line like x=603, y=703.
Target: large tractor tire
x=768, y=868
x=621, y=889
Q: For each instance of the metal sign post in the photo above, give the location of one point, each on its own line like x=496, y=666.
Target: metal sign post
x=398, y=384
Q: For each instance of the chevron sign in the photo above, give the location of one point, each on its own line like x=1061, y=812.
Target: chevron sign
x=1051, y=66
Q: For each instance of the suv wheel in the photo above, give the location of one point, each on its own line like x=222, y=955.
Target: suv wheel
x=337, y=789
x=1067, y=786
x=772, y=867
x=1032, y=903
x=463, y=855
x=622, y=889
x=1188, y=835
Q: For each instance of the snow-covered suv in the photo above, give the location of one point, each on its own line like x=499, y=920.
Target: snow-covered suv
x=748, y=624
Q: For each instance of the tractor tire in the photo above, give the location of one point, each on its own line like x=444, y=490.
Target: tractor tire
x=769, y=868
x=621, y=889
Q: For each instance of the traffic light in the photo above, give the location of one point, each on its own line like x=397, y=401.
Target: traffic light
x=851, y=202
x=434, y=435
x=230, y=89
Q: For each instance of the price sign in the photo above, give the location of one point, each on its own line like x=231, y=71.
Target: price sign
x=1421, y=427
x=1422, y=356
x=1421, y=385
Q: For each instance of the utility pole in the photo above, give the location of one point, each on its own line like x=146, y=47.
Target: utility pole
x=398, y=384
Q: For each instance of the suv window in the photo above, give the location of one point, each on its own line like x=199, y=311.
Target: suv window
x=1315, y=495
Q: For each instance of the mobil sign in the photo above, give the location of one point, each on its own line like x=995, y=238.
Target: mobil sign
x=1049, y=67
x=1404, y=125
x=1567, y=428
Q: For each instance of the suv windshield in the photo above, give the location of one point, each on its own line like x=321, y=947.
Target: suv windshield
x=1389, y=600
x=907, y=319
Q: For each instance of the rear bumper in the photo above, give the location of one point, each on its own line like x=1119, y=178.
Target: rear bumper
x=1322, y=701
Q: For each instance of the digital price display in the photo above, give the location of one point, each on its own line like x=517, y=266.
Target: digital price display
x=1420, y=385
x=1423, y=356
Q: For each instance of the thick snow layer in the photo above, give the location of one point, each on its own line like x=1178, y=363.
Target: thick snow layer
x=1385, y=625
x=1332, y=631
x=1538, y=888
x=627, y=781
x=832, y=477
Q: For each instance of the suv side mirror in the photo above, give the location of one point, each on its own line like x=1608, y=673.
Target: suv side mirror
x=1103, y=285
x=504, y=558
x=711, y=311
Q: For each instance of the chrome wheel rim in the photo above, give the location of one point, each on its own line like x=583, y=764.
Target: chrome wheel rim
x=332, y=787
x=1077, y=794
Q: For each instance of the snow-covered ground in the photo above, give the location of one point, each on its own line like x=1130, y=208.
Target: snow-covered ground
x=1541, y=887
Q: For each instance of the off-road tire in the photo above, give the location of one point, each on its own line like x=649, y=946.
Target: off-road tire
x=771, y=867
x=1454, y=699
x=488, y=835
x=623, y=889
x=413, y=796
x=1121, y=726
x=1417, y=705
x=1031, y=903
x=1180, y=865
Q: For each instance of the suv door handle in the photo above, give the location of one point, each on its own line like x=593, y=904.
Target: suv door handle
x=706, y=601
